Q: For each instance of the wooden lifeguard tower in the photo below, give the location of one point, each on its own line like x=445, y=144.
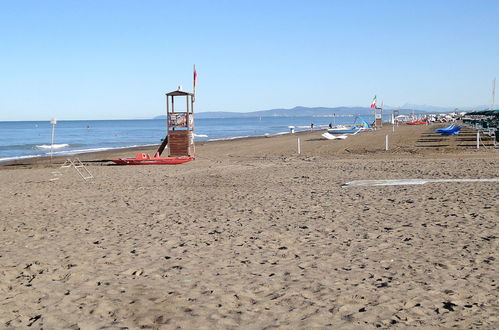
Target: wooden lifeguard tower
x=180, y=125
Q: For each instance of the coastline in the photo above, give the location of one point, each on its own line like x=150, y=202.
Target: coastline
x=404, y=140
x=253, y=235
x=108, y=153
x=77, y=153
x=77, y=137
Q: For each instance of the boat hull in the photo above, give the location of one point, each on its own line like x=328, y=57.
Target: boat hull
x=153, y=161
x=346, y=130
x=351, y=129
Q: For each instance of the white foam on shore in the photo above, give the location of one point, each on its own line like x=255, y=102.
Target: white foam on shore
x=71, y=152
x=50, y=146
x=200, y=135
x=249, y=136
x=5, y=159
x=85, y=151
x=231, y=138
x=80, y=151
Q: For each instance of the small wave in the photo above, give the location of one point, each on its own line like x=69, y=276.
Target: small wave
x=18, y=157
x=73, y=152
x=49, y=146
x=230, y=138
x=275, y=134
x=84, y=151
x=200, y=135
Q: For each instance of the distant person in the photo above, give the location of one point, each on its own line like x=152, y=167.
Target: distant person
x=311, y=126
x=330, y=125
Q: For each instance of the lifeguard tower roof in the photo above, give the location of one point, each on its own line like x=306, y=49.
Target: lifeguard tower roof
x=179, y=93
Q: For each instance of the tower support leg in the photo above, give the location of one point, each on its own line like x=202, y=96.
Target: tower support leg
x=163, y=145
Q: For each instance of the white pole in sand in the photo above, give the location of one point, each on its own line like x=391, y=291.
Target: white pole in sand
x=393, y=128
x=478, y=139
x=53, y=121
x=386, y=142
x=298, y=145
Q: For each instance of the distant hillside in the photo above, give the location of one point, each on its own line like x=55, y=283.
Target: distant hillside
x=294, y=112
x=437, y=109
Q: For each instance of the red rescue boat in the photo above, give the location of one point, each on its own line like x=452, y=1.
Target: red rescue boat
x=416, y=122
x=144, y=159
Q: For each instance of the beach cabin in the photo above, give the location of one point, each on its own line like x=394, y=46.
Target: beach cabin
x=378, y=115
x=180, y=124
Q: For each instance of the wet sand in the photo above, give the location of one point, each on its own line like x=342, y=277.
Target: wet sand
x=252, y=235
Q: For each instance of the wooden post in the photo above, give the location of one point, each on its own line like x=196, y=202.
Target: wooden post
x=193, y=151
x=163, y=145
x=53, y=121
x=478, y=139
x=298, y=145
x=386, y=142
x=165, y=140
x=187, y=114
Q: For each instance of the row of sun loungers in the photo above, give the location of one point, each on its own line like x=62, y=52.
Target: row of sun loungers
x=485, y=122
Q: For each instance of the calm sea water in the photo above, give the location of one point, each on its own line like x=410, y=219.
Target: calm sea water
x=33, y=138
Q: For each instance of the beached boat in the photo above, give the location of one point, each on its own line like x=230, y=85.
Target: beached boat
x=351, y=129
x=346, y=130
x=144, y=159
x=416, y=122
x=330, y=136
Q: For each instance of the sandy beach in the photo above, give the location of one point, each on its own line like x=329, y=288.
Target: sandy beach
x=252, y=235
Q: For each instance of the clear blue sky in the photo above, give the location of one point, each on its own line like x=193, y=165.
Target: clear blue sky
x=116, y=59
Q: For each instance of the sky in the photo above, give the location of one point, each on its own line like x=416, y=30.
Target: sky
x=116, y=59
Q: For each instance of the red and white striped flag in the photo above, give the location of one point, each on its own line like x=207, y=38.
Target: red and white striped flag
x=373, y=104
x=194, y=83
x=195, y=76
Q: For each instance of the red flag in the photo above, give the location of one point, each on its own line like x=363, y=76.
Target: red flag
x=373, y=104
x=194, y=83
x=195, y=76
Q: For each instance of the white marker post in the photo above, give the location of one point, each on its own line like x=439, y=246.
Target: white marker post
x=386, y=142
x=298, y=146
x=53, y=121
x=478, y=139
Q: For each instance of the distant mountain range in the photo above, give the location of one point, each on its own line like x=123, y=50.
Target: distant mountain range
x=323, y=111
x=293, y=112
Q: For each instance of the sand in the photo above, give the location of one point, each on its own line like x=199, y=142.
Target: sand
x=252, y=235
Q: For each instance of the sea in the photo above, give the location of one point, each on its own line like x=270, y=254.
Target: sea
x=28, y=139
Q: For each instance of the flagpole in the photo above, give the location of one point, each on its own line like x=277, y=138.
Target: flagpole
x=194, y=83
x=493, y=94
x=53, y=121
